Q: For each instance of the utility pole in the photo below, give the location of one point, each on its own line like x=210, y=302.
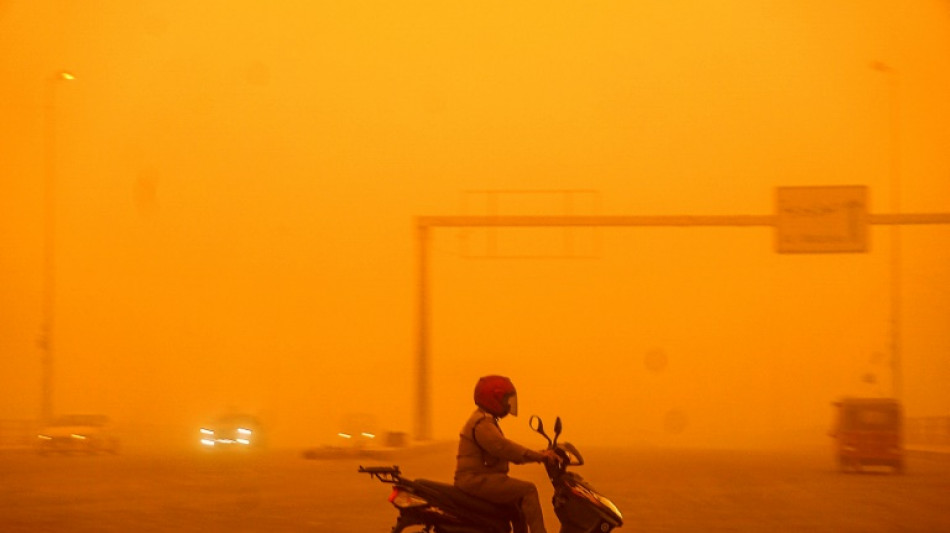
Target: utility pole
x=894, y=175
x=46, y=338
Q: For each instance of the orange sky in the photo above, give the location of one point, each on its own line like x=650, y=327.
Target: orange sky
x=236, y=184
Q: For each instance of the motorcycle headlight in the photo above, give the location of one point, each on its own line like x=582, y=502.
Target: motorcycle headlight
x=584, y=492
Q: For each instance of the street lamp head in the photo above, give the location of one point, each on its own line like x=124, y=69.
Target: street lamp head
x=64, y=75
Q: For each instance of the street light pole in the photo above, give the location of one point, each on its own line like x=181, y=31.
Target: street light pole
x=49, y=240
x=894, y=174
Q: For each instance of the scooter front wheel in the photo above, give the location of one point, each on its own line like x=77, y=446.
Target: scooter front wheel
x=412, y=528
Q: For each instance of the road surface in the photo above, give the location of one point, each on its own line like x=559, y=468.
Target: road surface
x=657, y=491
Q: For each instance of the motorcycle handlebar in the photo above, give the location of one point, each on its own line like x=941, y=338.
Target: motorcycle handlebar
x=574, y=457
x=567, y=451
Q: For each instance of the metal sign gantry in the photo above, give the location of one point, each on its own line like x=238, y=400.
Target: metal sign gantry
x=425, y=224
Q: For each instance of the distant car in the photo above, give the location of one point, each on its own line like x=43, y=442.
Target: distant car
x=232, y=431
x=78, y=433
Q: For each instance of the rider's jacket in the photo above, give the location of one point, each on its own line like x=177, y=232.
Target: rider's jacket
x=483, y=449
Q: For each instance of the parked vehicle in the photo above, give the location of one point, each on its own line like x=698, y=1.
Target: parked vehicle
x=441, y=508
x=868, y=432
x=78, y=433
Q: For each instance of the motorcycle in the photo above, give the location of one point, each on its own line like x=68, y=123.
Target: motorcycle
x=442, y=508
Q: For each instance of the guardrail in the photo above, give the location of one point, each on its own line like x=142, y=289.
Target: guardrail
x=18, y=433
x=927, y=431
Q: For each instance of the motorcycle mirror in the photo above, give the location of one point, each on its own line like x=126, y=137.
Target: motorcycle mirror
x=538, y=426
x=557, y=429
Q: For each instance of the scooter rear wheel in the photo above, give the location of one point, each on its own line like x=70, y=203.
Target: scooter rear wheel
x=413, y=529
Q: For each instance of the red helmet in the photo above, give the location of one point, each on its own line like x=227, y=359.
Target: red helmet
x=497, y=395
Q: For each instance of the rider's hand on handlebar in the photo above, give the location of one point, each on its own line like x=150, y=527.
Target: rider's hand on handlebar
x=550, y=457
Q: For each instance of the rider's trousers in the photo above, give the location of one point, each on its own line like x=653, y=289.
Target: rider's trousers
x=499, y=488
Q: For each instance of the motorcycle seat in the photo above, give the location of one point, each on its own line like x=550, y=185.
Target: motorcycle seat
x=478, y=505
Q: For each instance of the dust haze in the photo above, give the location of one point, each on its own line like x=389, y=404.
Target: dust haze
x=235, y=187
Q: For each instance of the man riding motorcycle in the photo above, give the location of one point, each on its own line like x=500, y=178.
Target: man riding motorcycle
x=484, y=453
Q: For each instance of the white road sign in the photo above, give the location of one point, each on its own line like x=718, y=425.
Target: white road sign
x=822, y=219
